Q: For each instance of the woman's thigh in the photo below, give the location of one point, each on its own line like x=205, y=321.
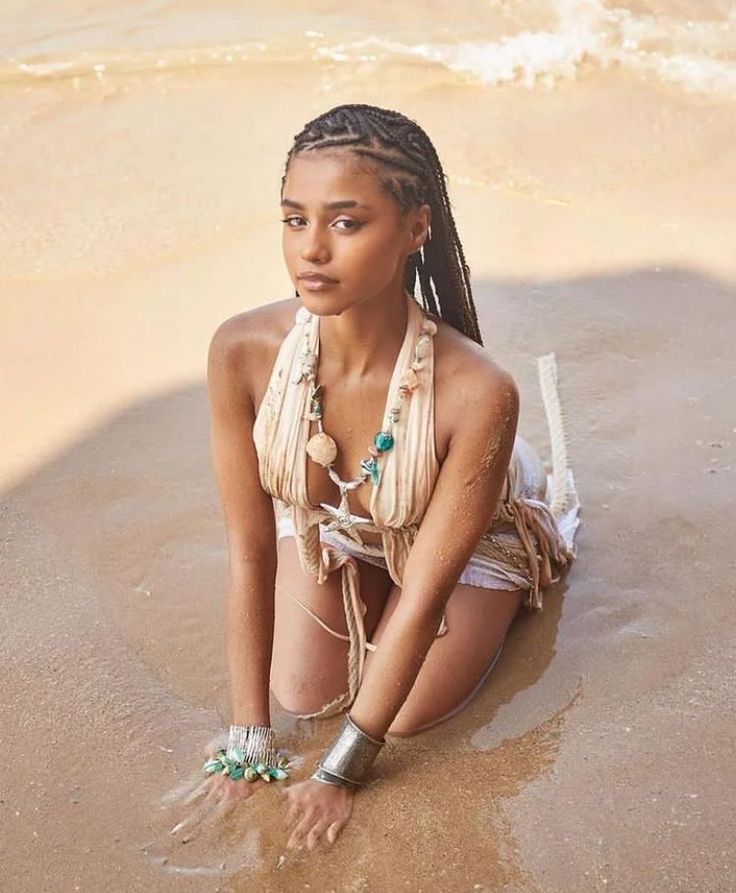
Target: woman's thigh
x=456, y=662
x=309, y=665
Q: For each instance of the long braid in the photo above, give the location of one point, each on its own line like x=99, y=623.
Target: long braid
x=410, y=170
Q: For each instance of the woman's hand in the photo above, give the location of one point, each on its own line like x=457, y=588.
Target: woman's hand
x=316, y=812
x=214, y=799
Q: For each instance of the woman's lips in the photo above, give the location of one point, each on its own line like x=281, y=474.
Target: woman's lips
x=317, y=283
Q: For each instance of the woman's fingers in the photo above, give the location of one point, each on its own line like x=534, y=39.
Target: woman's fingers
x=191, y=823
x=316, y=832
x=211, y=799
x=225, y=808
x=215, y=793
x=333, y=830
x=197, y=793
x=312, y=829
x=300, y=830
x=293, y=812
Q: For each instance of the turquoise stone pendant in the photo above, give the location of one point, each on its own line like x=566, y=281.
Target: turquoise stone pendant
x=383, y=441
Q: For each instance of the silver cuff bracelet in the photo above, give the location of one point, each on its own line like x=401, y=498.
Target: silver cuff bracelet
x=350, y=758
x=323, y=775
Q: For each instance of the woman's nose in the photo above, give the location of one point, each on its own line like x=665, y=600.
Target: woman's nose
x=314, y=247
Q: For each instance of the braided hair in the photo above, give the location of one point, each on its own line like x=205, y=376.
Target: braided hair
x=410, y=171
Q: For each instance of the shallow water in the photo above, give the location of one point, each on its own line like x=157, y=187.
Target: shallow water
x=589, y=151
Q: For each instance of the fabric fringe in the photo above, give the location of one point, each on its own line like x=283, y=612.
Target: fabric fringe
x=549, y=555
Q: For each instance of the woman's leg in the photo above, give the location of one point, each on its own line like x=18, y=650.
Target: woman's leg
x=309, y=665
x=457, y=662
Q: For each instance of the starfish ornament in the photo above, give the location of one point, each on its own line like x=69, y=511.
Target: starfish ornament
x=343, y=519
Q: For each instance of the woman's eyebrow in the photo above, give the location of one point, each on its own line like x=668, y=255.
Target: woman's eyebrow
x=328, y=206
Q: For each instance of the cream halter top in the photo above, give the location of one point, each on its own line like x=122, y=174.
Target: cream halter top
x=408, y=472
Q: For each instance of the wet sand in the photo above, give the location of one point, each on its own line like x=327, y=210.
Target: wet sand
x=599, y=754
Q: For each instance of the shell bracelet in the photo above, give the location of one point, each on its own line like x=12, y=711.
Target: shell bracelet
x=237, y=767
x=250, y=754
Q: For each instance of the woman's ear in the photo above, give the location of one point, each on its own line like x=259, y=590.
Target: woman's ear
x=421, y=229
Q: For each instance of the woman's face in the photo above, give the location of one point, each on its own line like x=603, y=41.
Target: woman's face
x=340, y=223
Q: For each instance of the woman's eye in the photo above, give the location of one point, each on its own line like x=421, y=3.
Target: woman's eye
x=295, y=221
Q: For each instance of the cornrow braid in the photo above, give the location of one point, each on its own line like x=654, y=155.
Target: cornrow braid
x=410, y=171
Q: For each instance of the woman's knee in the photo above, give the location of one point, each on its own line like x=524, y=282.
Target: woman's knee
x=300, y=703
x=306, y=686
x=309, y=665
x=408, y=726
x=309, y=674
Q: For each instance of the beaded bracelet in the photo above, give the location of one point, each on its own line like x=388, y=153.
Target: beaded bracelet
x=237, y=768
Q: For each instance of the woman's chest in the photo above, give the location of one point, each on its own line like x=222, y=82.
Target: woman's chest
x=354, y=410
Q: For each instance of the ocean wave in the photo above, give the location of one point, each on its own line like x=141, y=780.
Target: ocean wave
x=694, y=55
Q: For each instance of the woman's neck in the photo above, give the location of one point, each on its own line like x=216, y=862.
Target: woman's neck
x=365, y=338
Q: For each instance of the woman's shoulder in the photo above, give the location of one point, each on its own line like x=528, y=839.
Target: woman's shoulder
x=468, y=385
x=247, y=343
x=460, y=361
x=251, y=335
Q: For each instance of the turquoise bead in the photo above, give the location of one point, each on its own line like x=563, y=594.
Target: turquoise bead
x=367, y=465
x=383, y=441
x=370, y=466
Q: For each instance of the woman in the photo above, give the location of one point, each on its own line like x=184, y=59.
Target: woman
x=384, y=522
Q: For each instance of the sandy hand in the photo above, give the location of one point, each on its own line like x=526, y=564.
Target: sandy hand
x=212, y=801
x=316, y=813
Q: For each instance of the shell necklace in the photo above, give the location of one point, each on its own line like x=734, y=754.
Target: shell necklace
x=322, y=449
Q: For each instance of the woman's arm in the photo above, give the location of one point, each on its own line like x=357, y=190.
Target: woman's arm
x=249, y=521
x=461, y=508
